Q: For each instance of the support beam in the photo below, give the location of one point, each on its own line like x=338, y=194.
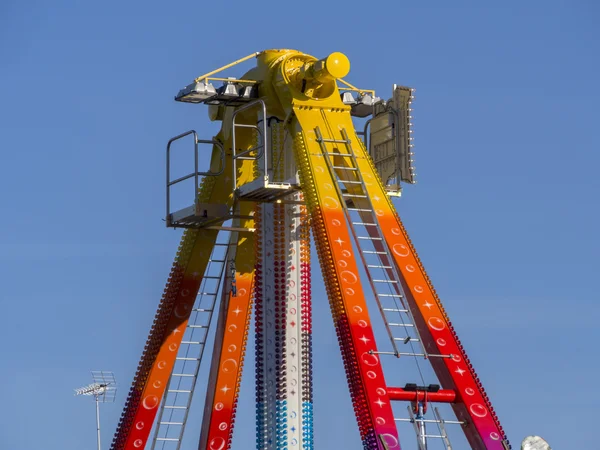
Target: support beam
x=441, y=396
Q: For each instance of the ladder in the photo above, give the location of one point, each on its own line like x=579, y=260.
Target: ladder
x=379, y=266
x=420, y=430
x=173, y=414
x=375, y=255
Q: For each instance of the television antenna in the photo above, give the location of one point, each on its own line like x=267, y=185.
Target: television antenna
x=104, y=390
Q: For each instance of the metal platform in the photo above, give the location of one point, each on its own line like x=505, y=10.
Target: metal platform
x=260, y=190
x=199, y=215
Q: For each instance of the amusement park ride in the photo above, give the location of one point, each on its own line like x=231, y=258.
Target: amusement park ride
x=286, y=163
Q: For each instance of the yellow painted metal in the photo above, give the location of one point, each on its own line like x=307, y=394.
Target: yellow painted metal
x=231, y=80
x=350, y=87
x=333, y=67
x=172, y=317
x=227, y=66
x=309, y=96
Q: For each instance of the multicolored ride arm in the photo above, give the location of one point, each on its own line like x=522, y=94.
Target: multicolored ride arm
x=166, y=335
x=293, y=162
x=307, y=88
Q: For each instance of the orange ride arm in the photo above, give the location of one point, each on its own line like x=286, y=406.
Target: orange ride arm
x=230, y=347
x=340, y=272
x=482, y=429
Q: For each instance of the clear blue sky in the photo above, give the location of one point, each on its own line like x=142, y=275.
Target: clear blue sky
x=505, y=215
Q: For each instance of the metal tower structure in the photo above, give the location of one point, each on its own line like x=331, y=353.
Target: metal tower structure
x=287, y=162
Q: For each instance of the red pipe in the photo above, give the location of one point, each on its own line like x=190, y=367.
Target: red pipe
x=441, y=396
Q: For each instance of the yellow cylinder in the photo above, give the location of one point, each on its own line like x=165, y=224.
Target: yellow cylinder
x=333, y=67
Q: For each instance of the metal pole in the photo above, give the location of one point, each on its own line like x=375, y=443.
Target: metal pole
x=98, y=421
x=422, y=428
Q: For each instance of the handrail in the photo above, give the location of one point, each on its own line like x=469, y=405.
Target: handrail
x=351, y=87
x=194, y=174
x=230, y=80
x=262, y=148
x=227, y=66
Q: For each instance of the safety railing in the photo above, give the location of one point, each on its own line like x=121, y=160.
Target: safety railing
x=260, y=148
x=195, y=174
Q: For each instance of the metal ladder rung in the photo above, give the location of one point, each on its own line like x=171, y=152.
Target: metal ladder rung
x=187, y=359
x=410, y=325
x=385, y=281
x=211, y=277
x=390, y=295
x=395, y=310
x=174, y=407
x=168, y=439
x=197, y=326
x=217, y=260
x=344, y=168
x=354, y=195
x=360, y=209
x=366, y=224
x=170, y=423
x=192, y=342
x=404, y=339
x=202, y=309
x=183, y=375
x=335, y=141
x=349, y=181
x=178, y=391
x=207, y=293
x=371, y=266
x=369, y=238
x=371, y=252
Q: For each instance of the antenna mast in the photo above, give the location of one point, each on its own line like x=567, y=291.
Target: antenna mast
x=103, y=389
